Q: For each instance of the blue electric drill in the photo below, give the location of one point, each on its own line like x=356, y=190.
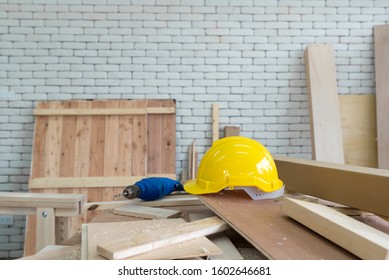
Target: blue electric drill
x=152, y=188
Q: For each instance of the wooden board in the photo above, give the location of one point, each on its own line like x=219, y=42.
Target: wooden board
x=355, y=186
x=326, y=133
x=146, y=212
x=231, y=131
x=106, y=145
x=99, y=232
x=147, y=241
x=362, y=240
x=269, y=231
x=359, y=129
x=381, y=51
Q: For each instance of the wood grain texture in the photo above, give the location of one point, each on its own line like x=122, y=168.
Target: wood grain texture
x=99, y=139
x=355, y=186
x=362, y=240
x=269, y=231
x=146, y=212
x=100, y=232
x=359, y=129
x=326, y=134
x=381, y=51
x=147, y=241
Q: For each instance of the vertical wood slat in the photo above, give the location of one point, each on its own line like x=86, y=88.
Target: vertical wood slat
x=82, y=142
x=111, y=150
x=381, y=49
x=326, y=134
x=139, y=141
x=168, y=139
x=154, y=139
x=68, y=145
x=53, y=143
x=38, y=151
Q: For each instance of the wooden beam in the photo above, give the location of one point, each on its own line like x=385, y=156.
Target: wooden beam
x=326, y=133
x=215, y=122
x=104, y=111
x=89, y=182
x=147, y=241
x=381, y=50
x=359, y=187
x=146, y=212
x=362, y=240
x=43, y=200
x=45, y=227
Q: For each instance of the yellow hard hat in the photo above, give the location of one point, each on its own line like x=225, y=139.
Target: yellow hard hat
x=235, y=162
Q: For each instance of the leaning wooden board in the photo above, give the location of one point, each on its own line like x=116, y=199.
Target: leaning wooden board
x=381, y=51
x=271, y=232
x=326, y=133
x=102, y=138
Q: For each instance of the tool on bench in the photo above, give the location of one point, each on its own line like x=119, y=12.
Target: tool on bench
x=152, y=188
x=237, y=163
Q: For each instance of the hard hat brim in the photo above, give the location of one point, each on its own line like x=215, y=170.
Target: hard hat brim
x=192, y=188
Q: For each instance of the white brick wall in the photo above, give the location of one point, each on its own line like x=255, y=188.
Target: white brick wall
x=245, y=55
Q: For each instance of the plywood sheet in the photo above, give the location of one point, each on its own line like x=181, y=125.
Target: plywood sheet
x=100, y=232
x=326, y=134
x=381, y=50
x=267, y=229
x=359, y=129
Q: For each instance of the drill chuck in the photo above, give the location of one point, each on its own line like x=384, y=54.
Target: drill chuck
x=132, y=191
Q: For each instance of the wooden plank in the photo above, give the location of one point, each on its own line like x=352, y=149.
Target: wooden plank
x=192, y=162
x=90, y=182
x=381, y=51
x=360, y=187
x=146, y=212
x=168, y=139
x=111, y=141
x=276, y=236
x=82, y=142
x=138, y=141
x=359, y=129
x=229, y=250
x=25, y=199
x=360, y=239
x=326, y=133
x=144, y=242
x=68, y=145
x=45, y=227
x=215, y=122
x=56, y=252
x=104, y=111
x=170, y=200
x=100, y=232
x=38, y=149
x=154, y=140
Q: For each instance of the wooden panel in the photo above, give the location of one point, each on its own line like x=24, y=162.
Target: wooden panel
x=269, y=231
x=99, y=139
x=355, y=186
x=326, y=134
x=381, y=50
x=362, y=240
x=359, y=129
x=100, y=232
x=146, y=212
x=149, y=240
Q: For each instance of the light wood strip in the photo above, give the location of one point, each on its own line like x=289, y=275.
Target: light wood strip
x=381, y=50
x=168, y=139
x=359, y=129
x=99, y=232
x=105, y=111
x=215, y=122
x=38, y=149
x=362, y=240
x=146, y=212
x=355, y=186
x=45, y=227
x=90, y=182
x=154, y=140
x=138, y=142
x=147, y=241
x=82, y=142
x=111, y=141
x=326, y=133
